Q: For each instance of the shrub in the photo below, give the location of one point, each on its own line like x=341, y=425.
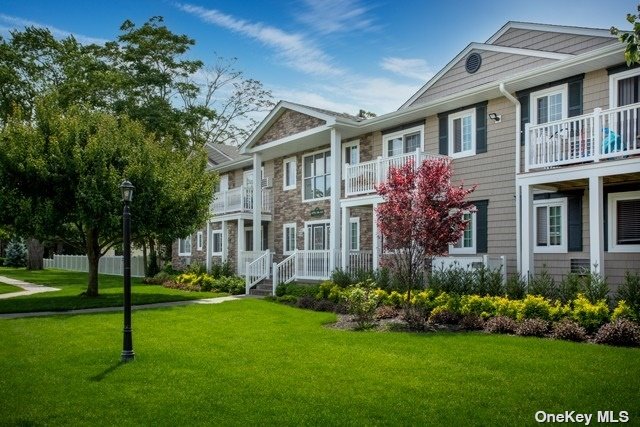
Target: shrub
x=568, y=330
x=516, y=287
x=448, y=301
x=559, y=311
x=569, y=287
x=306, y=301
x=297, y=290
x=207, y=283
x=423, y=300
x=453, y=280
x=506, y=307
x=533, y=328
x=335, y=294
x=341, y=278
x=595, y=288
x=15, y=254
x=158, y=279
x=325, y=305
x=324, y=289
x=500, y=325
x=197, y=268
x=386, y=312
x=542, y=284
x=475, y=304
x=589, y=316
x=629, y=291
x=381, y=296
x=443, y=316
x=287, y=299
x=621, y=332
x=221, y=270
x=396, y=299
x=471, y=322
x=415, y=318
x=361, y=302
x=487, y=282
x=535, y=307
x=623, y=311
x=382, y=278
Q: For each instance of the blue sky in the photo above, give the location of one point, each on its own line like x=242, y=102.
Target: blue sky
x=341, y=55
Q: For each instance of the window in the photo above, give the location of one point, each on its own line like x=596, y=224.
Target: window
x=289, y=238
x=199, y=240
x=351, y=155
x=289, y=173
x=624, y=88
x=467, y=242
x=549, y=105
x=216, y=242
x=317, y=176
x=248, y=238
x=406, y=141
x=624, y=222
x=184, y=246
x=550, y=219
x=354, y=234
x=317, y=235
x=462, y=131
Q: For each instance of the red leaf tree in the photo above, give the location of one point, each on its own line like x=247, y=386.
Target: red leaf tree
x=421, y=215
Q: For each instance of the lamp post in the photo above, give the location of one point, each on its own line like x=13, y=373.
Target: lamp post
x=127, y=341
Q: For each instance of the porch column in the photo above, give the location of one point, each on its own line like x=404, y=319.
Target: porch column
x=257, y=202
x=225, y=241
x=527, y=267
x=336, y=180
x=345, y=238
x=208, y=248
x=375, y=238
x=596, y=225
x=241, y=245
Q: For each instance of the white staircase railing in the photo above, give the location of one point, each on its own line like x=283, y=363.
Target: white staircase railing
x=284, y=271
x=257, y=270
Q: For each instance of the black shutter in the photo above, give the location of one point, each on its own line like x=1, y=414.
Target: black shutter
x=443, y=130
x=524, y=114
x=481, y=225
x=574, y=221
x=481, y=128
x=575, y=98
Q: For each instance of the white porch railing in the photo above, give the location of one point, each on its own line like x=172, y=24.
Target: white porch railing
x=360, y=261
x=313, y=264
x=240, y=200
x=603, y=134
x=362, y=178
x=257, y=270
x=284, y=271
x=111, y=265
x=469, y=262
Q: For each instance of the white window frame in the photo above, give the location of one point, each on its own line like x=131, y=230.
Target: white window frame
x=302, y=177
x=461, y=115
x=199, y=241
x=248, y=173
x=613, y=219
x=561, y=89
x=326, y=222
x=350, y=144
x=562, y=202
x=474, y=237
x=285, y=164
x=213, y=239
x=354, y=220
x=185, y=253
x=285, y=227
x=613, y=84
x=402, y=133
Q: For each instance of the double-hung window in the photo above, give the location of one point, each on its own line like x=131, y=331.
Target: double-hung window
x=184, y=246
x=406, y=141
x=317, y=176
x=550, y=219
x=289, y=238
x=624, y=222
x=289, y=173
x=467, y=242
x=549, y=105
x=462, y=131
x=216, y=242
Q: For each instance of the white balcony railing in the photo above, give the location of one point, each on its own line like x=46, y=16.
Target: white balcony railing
x=360, y=261
x=362, y=178
x=240, y=200
x=601, y=135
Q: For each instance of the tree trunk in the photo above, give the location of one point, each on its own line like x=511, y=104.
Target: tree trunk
x=35, y=251
x=93, y=255
x=144, y=257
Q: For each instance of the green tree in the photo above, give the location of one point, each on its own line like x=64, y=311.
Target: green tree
x=630, y=38
x=65, y=166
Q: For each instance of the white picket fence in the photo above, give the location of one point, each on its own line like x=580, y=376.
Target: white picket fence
x=111, y=265
x=470, y=262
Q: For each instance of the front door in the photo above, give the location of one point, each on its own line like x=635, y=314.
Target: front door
x=315, y=260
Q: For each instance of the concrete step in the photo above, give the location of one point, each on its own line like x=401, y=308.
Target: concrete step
x=260, y=292
x=264, y=286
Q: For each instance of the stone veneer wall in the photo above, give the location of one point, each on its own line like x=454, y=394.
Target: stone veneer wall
x=291, y=122
x=181, y=262
x=365, y=213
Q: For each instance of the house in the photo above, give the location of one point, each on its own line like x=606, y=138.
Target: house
x=544, y=118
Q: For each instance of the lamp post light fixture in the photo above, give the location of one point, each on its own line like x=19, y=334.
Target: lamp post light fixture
x=127, y=341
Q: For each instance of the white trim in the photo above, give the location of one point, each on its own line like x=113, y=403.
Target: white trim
x=474, y=238
x=302, y=177
x=564, y=232
x=353, y=143
x=612, y=216
x=289, y=225
x=613, y=84
x=562, y=89
x=199, y=241
x=570, y=173
x=461, y=115
x=354, y=220
x=190, y=247
x=326, y=222
x=293, y=160
x=402, y=133
x=564, y=29
x=213, y=252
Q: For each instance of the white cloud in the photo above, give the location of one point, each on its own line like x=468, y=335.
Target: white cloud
x=333, y=16
x=297, y=51
x=314, y=99
x=413, y=68
x=14, y=22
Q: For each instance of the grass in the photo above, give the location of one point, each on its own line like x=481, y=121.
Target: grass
x=6, y=289
x=252, y=362
x=72, y=284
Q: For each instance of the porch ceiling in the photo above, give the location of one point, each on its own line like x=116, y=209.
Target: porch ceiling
x=576, y=184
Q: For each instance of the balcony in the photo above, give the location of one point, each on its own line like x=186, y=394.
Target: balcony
x=362, y=178
x=239, y=200
x=601, y=135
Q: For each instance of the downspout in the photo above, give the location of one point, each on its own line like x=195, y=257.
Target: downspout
x=517, y=172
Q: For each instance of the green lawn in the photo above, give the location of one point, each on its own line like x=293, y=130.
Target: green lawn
x=72, y=284
x=252, y=362
x=6, y=289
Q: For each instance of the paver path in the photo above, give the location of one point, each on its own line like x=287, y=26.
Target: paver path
x=29, y=288
x=216, y=300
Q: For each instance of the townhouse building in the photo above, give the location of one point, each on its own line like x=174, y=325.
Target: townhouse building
x=543, y=118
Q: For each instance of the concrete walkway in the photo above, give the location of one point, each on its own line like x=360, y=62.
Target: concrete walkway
x=217, y=300
x=29, y=288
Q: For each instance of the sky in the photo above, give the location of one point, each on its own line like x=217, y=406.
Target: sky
x=342, y=55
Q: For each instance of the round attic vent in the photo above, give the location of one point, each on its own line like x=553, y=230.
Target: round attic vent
x=473, y=63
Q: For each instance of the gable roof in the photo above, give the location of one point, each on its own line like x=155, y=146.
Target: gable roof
x=582, y=31
x=221, y=154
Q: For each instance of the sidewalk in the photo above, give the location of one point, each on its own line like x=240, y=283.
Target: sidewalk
x=29, y=288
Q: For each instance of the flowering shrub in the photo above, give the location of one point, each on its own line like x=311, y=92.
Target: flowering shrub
x=568, y=330
x=443, y=316
x=386, y=312
x=471, y=322
x=533, y=328
x=500, y=325
x=621, y=332
x=361, y=302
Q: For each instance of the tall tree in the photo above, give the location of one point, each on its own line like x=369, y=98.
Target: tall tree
x=421, y=215
x=630, y=38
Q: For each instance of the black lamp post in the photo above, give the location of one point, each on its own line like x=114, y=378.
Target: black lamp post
x=127, y=341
